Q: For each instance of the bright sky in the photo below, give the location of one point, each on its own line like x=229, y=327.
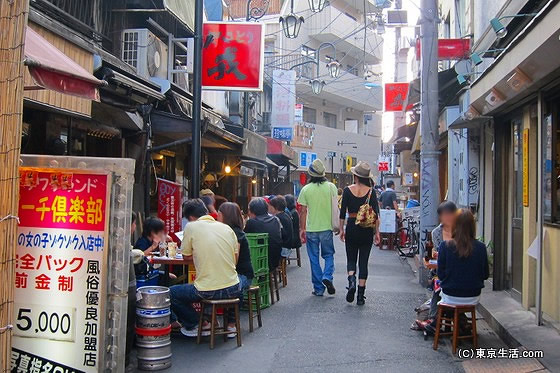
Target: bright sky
x=412, y=6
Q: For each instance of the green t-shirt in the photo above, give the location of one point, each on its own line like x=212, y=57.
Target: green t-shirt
x=318, y=199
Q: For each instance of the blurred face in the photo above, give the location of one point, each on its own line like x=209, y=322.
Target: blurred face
x=271, y=210
x=133, y=227
x=220, y=217
x=447, y=218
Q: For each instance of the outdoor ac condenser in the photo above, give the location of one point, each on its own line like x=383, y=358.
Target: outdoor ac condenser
x=142, y=50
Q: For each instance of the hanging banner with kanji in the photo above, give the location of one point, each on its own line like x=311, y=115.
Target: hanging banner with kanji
x=60, y=277
x=169, y=205
x=395, y=95
x=232, y=56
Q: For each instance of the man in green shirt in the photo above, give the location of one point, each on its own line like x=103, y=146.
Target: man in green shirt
x=316, y=226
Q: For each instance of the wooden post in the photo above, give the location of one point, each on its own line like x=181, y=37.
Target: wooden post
x=13, y=23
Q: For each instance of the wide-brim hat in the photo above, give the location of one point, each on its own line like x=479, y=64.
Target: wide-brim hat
x=362, y=169
x=316, y=169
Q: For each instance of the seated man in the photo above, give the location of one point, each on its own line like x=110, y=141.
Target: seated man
x=214, y=249
x=260, y=221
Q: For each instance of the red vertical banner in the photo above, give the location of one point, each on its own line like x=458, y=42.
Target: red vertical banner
x=233, y=56
x=169, y=205
x=395, y=95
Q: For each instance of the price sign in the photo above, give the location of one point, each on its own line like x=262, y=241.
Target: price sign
x=44, y=321
x=60, y=269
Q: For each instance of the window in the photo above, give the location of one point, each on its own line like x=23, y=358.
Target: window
x=352, y=70
x=551, y=155
x=307, y=52
x=309, y=115
x=329, y=119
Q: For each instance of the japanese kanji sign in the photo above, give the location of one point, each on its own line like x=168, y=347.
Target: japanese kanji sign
x=169, y=205
x=232, y=56
x=395, y=95
x=60, y=270
x=283, y=104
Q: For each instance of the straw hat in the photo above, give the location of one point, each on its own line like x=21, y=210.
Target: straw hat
x=206, y=192
x=316, y=169
x=362, y=169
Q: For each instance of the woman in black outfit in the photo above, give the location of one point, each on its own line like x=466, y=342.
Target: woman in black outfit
x=291, y=206
x=358, y=240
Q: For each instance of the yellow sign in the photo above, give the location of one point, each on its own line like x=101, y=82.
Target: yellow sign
x=350, y=162
x=526, y=167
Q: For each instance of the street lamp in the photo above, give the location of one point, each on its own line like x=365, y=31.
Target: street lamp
x=333, y=67
x=317, y=86
x=500, y=29
x=291, y=23
x=317, y=5
x=476, y=56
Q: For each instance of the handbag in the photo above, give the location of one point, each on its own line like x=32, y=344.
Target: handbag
x=366, y=217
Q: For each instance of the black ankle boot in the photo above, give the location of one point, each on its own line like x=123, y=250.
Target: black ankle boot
x=351, y=288
x=361, y=298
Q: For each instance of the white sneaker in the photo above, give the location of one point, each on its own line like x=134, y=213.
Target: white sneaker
x=232, y=332
x=194, y=332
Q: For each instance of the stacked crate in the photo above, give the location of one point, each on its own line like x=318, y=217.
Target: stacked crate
x=258, y=246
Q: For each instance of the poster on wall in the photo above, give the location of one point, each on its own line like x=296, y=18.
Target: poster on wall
x=387, y=221
x=169, y=205
x=61, y=270
x=283, y=104
x=233, y=56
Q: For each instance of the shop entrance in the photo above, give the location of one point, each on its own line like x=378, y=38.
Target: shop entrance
x=516, y=247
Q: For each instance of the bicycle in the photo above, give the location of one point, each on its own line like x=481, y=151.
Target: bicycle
x=406, y=238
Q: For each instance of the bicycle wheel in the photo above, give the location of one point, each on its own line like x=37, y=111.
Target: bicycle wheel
x=403, y=242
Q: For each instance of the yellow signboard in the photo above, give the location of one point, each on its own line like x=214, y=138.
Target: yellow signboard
x=526, y=167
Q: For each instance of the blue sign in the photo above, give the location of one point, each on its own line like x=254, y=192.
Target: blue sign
x=282, y=133
x=306, y=158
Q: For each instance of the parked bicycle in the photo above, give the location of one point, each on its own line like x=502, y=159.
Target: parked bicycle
x=407, y=239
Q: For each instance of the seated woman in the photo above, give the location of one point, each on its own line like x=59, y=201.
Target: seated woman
x=153, y=233
x=278, y=209
x=462, y=263
x=261, y=222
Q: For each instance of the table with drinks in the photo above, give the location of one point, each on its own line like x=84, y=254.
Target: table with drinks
x=169, y=255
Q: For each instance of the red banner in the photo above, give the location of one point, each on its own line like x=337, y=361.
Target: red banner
x=169, y=205
x=383, y=166
x=395, y=94
x=62, y=200
x=232, y=56
x=449, y=49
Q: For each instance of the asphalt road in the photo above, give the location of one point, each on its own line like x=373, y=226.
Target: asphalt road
x=304, y=333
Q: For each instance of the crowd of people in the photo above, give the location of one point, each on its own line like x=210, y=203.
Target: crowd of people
x=215, y=238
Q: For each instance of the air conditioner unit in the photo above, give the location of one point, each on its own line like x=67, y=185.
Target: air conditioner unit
x=142, y=50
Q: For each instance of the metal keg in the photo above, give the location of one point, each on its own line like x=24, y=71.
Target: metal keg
x=151, y=297
x=153, y=318
x=153, y=335
x=154, y=355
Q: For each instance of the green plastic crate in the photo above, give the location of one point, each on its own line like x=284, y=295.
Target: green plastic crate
x=264, y=293
x=258, y=246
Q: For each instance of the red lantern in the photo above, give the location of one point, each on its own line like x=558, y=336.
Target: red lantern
x=302, y=178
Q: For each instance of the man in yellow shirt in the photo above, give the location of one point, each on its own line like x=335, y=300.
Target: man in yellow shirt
x=214, y=249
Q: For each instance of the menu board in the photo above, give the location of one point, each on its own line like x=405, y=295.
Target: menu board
x=61, y=270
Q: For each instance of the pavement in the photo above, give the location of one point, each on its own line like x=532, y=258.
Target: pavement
x=304, y=333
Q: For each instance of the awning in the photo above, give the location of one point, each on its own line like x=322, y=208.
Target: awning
x=52, y=69
x=463, y=122
x=280, y=153
x=183, y=10
x=448, y=88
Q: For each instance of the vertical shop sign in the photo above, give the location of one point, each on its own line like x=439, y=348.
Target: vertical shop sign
x=283, y=104
x=298, y=113
x=61, y=270
x=169, y=205
x=526, y=167
x=232, y=56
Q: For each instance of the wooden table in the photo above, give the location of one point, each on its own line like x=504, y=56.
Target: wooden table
x=166, y=262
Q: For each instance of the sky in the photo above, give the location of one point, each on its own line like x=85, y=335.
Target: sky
x=388, y=64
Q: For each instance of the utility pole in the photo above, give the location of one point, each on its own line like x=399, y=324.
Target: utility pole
x=196, y=144
x=429, y=128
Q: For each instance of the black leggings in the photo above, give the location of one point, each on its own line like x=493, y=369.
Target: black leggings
x=360, y=254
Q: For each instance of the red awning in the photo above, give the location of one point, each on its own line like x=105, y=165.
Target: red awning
x=52, y=69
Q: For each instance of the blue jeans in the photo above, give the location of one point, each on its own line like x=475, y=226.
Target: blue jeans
x=183, y=296
x=320, y=242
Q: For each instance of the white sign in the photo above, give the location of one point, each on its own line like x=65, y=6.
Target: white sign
x=387, y=221
x=61, y=270
x=408, y=178
x=298, y=114
x=283, y=104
